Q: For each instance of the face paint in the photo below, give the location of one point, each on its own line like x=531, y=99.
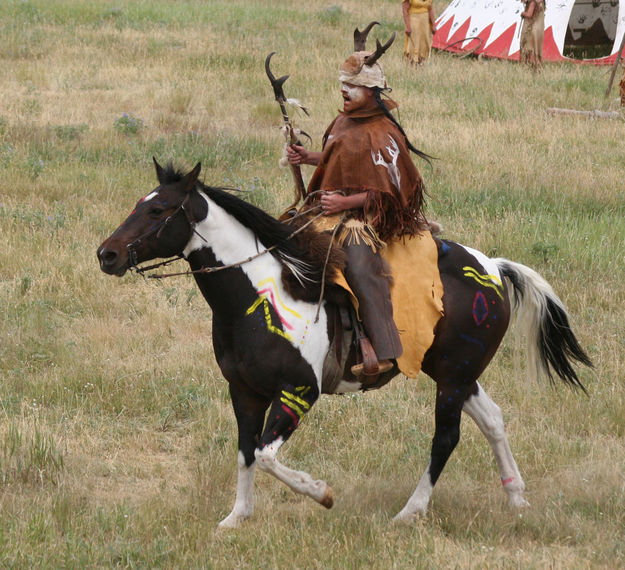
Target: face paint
x=354, y=92
x=354, y=96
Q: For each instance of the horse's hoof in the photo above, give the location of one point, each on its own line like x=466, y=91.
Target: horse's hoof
x=328, y=498
x=408, y=517
x=518, y=503
x=404, y=519
x=232, y=521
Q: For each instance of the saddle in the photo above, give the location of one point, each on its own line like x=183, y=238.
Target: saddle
x=351, y=349
x=416, y=294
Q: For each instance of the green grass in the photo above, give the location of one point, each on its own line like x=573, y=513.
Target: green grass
x=117, y=440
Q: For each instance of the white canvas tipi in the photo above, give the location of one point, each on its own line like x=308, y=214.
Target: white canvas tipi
x=588, y=30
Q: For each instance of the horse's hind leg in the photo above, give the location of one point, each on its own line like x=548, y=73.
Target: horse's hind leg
x=449, y=402
x=487, y=415
x=287, y=410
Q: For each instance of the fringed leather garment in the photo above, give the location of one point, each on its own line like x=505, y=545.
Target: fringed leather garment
x=364, y=151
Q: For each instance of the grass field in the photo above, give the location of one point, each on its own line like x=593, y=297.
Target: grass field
x=117, y=440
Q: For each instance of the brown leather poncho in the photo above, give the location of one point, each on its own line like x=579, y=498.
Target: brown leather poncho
x=364, y=151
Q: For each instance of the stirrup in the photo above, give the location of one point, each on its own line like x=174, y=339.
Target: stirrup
x=383, y=366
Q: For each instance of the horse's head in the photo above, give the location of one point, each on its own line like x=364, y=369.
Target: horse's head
x=161, y=224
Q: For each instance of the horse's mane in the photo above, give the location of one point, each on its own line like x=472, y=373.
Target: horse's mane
x=303, y=256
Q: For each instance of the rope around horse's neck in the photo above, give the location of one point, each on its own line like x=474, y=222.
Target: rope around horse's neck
x=207, y=270
x=325, y=266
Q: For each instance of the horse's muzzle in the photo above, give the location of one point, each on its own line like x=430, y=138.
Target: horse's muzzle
x=111, y=262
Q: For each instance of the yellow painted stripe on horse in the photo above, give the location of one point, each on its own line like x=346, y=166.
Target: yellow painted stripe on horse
x=272, y=281
x=493, y=278
x=487, y=280
x=254, y=305
x=270, y=326
x=293, y=407
x=293, y=397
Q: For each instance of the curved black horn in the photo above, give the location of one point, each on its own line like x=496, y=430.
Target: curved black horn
x=379, y=51
x=360, y=38
x=275, y=83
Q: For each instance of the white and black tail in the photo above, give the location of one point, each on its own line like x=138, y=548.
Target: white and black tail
x=542, y=318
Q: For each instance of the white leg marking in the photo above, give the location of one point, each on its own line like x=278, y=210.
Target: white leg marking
x=298, y=481
x=244, y=502
x=418, y=503
x=488, y=417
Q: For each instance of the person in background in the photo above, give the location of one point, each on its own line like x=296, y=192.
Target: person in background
x=533, y=33
x=420, y=26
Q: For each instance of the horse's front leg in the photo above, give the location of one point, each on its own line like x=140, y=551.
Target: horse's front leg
x=449, y=402
x=487, y=415
x=249, y=410
x=288, y=408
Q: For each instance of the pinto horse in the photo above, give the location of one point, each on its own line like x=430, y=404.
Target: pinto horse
x=271, y=346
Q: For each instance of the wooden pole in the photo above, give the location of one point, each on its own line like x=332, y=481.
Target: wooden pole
x=615, y=67
x=596, y=114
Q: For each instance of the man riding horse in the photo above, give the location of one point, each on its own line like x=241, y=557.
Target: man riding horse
x=365, y=181
x=276, y=346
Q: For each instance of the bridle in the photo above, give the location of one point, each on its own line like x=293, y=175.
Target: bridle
x=132, y=254
x=158, y=230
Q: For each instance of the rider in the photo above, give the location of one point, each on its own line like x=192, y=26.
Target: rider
x=366, y=180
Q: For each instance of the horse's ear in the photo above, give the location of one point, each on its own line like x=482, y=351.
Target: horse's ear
x=159, y=171
x=190, y=179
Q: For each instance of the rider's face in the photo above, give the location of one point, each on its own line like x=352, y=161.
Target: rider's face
x=356, y=97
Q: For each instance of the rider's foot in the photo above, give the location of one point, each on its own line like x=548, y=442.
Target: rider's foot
x=383, y=366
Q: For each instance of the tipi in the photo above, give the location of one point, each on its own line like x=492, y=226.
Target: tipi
x=588, y=30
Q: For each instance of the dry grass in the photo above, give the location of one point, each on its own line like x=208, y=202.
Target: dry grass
x=117, y=441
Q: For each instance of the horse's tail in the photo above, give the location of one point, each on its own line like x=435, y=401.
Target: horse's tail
x=544, y=321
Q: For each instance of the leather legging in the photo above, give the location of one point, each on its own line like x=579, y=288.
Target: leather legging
x=369, y=278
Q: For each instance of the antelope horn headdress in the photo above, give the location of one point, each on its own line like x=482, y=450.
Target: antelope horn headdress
x=360, y=38
x=362, y=67
x=379, y=50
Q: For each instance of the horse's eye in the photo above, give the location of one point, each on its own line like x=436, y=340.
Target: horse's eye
x=156, y=211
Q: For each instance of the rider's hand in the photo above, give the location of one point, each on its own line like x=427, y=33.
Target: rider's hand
x=335, y=202
x=296, y=154
x=332, y=203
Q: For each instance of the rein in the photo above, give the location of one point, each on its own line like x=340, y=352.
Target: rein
x=204, y=270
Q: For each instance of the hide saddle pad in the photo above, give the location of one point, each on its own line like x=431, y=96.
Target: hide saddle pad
x=417, y=296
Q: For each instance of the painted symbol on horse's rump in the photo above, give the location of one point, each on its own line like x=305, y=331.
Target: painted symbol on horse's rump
x=473, y=340
x=485, y=280
x=480, y=308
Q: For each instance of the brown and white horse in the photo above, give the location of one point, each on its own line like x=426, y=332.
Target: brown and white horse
x=271, y=348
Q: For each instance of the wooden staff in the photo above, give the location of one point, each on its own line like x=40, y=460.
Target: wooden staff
x=300, y=189
x=615, y=67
